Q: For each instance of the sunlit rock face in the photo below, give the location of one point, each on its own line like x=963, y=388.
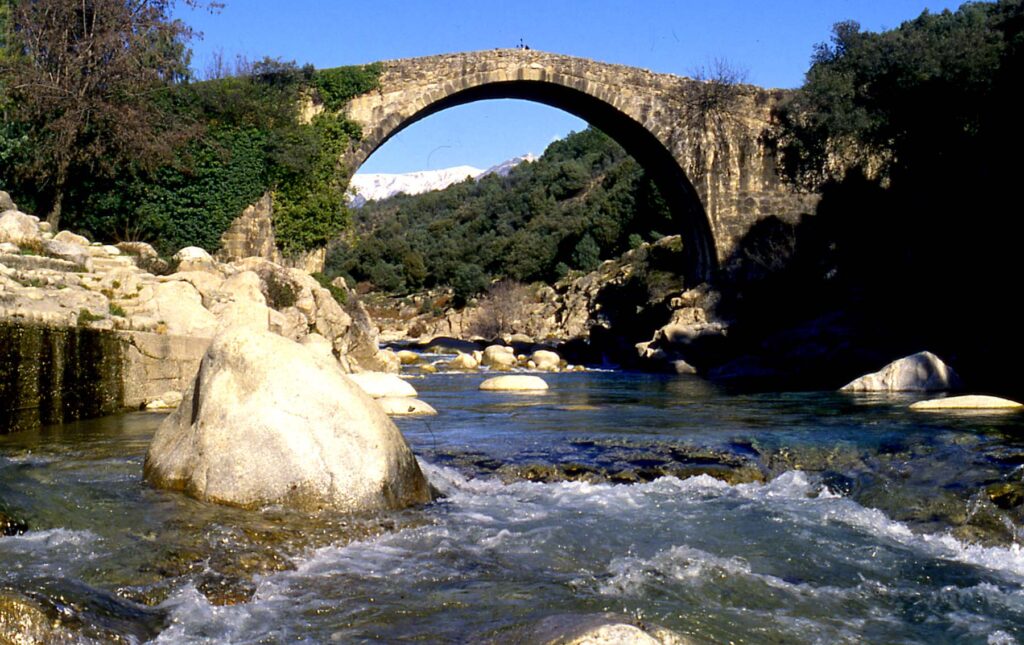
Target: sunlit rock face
x=270, y=421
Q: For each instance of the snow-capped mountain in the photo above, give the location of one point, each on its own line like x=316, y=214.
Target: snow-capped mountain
x=506, y=167
x=370, y=186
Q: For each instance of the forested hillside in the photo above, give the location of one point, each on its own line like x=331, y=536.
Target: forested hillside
x=583, y=201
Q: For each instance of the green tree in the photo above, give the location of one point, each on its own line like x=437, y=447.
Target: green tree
x=87, y=81
x=901, y=104
x=587, y=254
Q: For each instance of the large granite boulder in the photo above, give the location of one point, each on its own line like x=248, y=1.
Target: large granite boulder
x=921, y=372
x=270, y=422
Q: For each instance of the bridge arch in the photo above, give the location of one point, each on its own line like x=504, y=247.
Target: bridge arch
x=680, y=195
x=717, y=176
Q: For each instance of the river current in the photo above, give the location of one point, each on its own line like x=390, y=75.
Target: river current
x=745, y=518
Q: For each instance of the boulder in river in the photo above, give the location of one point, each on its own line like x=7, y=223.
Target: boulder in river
x=968, y=402
x=514, y=383
x=463, y=362
x=405, y=406
x=499, y=357
x=546, y=360
x=269, y=421
x=379, y=384
x=407, y=357
x=921, y=372
x=10, y=525
x=593, y=629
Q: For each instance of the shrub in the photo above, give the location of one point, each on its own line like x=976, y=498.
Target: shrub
x=339, y=294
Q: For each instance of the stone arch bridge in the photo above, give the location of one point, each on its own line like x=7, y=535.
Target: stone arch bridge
x=705, y=145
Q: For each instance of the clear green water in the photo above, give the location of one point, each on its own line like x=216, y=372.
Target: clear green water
x=845, y=520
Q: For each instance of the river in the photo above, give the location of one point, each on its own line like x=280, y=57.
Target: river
x=750, y=518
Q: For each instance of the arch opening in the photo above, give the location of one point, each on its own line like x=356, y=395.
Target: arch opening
x=657, y=161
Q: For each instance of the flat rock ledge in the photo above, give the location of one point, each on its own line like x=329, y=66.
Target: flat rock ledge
x=968, y=402
x=514, y=383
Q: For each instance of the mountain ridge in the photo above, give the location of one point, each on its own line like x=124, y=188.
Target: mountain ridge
x=376, y=186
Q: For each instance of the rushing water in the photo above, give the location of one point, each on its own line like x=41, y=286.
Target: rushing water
x=778, y=518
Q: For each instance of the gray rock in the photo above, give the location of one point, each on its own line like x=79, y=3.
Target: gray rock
x=921, y=372
x=498, y=357
x=6, y=204
x=380, y=385
x=405, y=406
x=62, y=250
x=180, y=307
x=18, y=228
x=546, y=360
x=138, y=249
x=68, y=237
x=592, y=629
x=270, y=422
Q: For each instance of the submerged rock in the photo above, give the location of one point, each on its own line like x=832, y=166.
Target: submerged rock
x=61, y=610
x=592, y=629
x=166, y=401
x=193, y=258
x=967, y=402
x=407, y=357
x=405, y=406
x=921, y=372
x=514, y=383
x=10, y=525
x=270, y=422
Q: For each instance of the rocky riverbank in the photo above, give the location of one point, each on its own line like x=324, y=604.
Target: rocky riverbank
x=637, y=313
x=90, y=328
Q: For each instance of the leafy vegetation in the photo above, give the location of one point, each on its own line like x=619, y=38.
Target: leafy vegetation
x=155, y=155
x=906, y=134
x=339, y=294
x=336, y=86
x=583, y=201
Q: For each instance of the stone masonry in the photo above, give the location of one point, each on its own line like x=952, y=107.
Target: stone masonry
x=707, y=146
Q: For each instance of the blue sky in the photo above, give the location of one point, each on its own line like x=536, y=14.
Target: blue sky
x=771, y=41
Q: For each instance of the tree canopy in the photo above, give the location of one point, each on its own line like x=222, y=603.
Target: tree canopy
x=87, y=83
x=583, y=201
